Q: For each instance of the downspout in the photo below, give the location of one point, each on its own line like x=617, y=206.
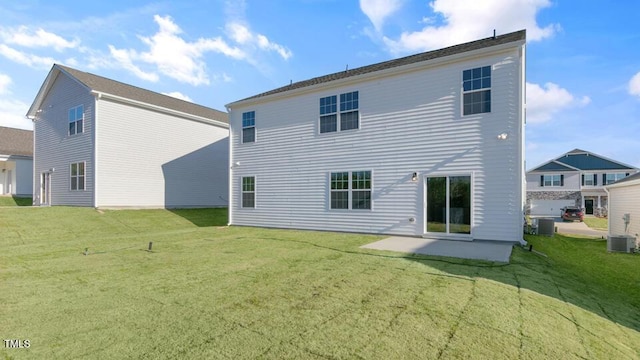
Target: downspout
x=230, y=180
x=98, y=96
x=523, y=123
x=608, y=209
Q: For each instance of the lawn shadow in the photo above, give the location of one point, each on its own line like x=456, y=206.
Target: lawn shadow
x=204, y=217
x=539, y=274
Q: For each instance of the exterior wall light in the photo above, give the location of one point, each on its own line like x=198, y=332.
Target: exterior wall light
x=414, y=176
x=502, y=136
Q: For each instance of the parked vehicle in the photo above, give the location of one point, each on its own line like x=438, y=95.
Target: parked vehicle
x=571, y=213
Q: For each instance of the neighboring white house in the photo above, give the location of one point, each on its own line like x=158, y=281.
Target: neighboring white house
x=426, y=145
x=103, y=143
x=16, y=162
x=624, y=207
x=576, y=178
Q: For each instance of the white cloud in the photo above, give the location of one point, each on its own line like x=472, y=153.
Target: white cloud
x=182, y=60
x=464, y=20
x=23, y=36
x=124, y=58
x=179, y=95
x=34, y=61
x=544, y=102
x=12, y=114
x=379, y=10
x=5, y=81
x=634, y=85
x=172, y=55
x=242, y=35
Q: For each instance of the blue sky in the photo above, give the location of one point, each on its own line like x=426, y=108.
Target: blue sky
x=583, y=57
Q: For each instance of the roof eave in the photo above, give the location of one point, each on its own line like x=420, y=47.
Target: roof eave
x=380, y=73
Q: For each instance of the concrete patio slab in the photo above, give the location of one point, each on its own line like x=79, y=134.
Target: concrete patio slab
x=477, y=250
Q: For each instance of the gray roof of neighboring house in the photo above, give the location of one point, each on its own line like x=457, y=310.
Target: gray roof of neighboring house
x=577, y=160
x=425, y=56
x=112, y=87
x=16, y=141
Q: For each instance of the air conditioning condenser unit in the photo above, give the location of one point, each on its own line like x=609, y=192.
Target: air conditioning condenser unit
x=621, y=243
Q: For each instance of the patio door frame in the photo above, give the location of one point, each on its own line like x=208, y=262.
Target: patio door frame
x=448, y=235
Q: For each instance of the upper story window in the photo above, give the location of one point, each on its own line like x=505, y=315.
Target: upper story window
x=349, y=116
x=551, y=180
x=611, y=178
x=77, y=176
x=589, y=179
x=76, y=120
x=249, y=127
x=476, y=90
x=350, y=190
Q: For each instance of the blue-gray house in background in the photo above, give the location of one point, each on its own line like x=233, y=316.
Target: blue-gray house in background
x=576, y=178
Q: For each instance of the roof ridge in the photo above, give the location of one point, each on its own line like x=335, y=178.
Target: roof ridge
x=406, y=60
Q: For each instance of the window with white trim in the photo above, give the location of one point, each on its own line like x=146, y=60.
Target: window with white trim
x=77, y=173
x=350, y=190
x=248, y=192
x=76, y=120
x=551, y=180
x=611, y=178
x=348, y=117
x=476, y=90
x=249, y=127
x=589, y=179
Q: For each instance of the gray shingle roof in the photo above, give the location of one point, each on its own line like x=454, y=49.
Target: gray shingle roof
x=102, y=84
x=16, y=141
x=425, y=56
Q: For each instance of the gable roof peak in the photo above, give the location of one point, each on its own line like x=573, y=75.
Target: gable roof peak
x=117, y=89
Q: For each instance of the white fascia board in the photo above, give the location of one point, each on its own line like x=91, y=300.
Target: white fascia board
x=100, y=95
x=393, y=71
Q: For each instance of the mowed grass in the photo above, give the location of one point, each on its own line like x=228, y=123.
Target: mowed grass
x=597, y=223
x=15, y=201
x=207, y=291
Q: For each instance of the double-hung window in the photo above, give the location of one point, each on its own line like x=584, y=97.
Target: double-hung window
x=76, y=120
x=551, y=180
x=611, y=178
x=248, y=192
x=348, y=117
x=589, y=179
x=350, y=190
x=249, y=127
x=476, y=90
x=77, y=172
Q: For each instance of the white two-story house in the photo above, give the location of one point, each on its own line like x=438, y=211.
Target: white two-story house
x=102, y=143
x=576, y=178
x=425, y=145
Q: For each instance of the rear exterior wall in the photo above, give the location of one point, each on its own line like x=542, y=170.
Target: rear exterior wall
x=409, y=122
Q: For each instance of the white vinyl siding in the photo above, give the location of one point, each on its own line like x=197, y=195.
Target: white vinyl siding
x=55, y=149
x=624, y=200
x=409, y=122
x=160, y=160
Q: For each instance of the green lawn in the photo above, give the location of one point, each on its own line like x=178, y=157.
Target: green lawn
x=207, y=291
x=597, y=223
x=15, y=201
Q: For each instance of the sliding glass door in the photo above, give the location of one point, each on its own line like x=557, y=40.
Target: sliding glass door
x=448, y=204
